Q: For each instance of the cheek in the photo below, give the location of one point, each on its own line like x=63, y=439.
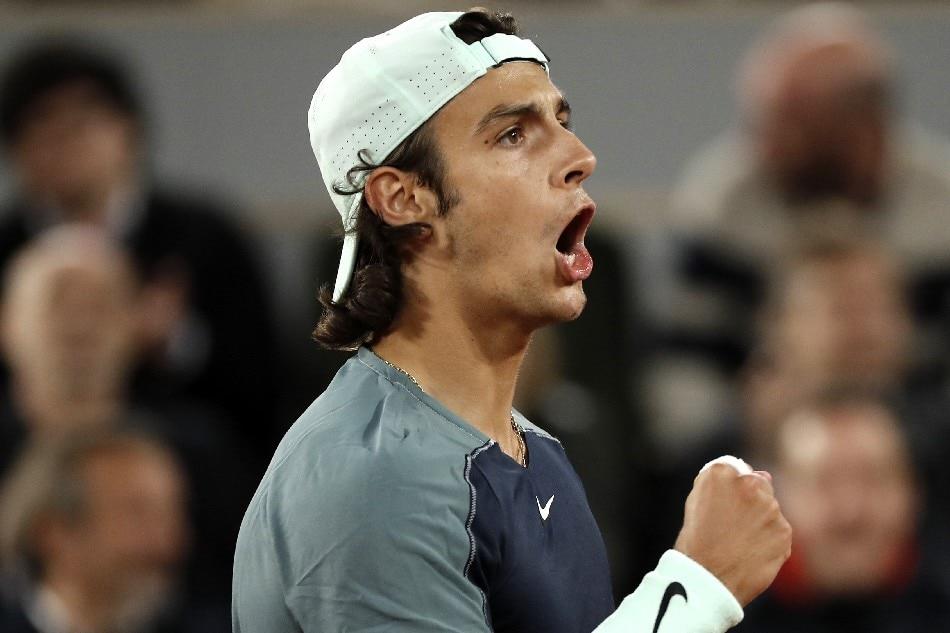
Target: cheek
x=895, y=510
x=102, y=152
x=37, y=166
x=504, y=187
x=97, y=547
x=34, y=346
x=804, y=510
x=482, y=238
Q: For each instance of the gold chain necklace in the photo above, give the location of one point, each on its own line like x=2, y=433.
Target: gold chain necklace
x=521, y=446
x=522, y=449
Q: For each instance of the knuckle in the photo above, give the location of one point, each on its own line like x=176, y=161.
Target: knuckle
x=749, y=485
x=716, y=471
x=783, y=531
x=756, y=490
x=776, y=511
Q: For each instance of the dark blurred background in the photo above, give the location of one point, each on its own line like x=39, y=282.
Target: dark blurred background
x=772, y=280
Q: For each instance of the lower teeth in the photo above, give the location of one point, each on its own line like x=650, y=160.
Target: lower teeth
x=570, y=259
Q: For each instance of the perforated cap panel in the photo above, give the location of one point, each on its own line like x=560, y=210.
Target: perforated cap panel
x=384, y=88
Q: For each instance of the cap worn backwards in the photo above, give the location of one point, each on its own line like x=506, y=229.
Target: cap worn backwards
x=384, y=88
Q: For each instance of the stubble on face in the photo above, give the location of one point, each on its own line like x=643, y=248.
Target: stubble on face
x=505, y=146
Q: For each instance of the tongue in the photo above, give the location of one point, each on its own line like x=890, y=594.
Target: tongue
x=576, y=264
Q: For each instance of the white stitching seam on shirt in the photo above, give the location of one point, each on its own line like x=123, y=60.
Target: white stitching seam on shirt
x=470, y=521
x=538, y=432
x=420, y=401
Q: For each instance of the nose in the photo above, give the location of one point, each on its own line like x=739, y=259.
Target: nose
x=579, y=162
x=849, y=505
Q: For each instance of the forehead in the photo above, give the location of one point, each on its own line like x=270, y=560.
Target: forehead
x=131, y=470
x=47, y=280
x=79, y=92
x=859, y=432
x=510, y=83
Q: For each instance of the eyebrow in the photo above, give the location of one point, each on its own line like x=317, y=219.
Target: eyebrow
x=532, y=108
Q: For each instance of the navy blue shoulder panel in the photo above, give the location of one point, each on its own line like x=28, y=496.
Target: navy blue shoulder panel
x=539, y=557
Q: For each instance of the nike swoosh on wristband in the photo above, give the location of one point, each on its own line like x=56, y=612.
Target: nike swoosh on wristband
x=673, y=589
x=546, y=510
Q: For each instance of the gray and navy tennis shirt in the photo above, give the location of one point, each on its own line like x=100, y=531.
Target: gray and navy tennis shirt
x=384, y=511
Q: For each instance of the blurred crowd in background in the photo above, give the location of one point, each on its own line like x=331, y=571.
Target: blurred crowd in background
x=797, y=315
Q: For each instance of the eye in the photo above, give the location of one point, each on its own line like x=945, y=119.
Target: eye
x=566, y=124
x=512, y=136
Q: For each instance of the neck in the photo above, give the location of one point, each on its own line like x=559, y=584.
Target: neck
x=468, y=364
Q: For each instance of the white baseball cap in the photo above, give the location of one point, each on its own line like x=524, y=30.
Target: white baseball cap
x=384, y=88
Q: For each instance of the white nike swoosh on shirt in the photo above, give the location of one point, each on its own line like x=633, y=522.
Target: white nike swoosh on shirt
x=546, y=510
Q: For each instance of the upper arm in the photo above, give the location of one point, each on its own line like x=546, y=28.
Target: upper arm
x=361, y=547
x=396, y=571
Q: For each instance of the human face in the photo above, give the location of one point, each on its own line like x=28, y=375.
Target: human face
x=74, y=146
x=514, y=242
x=847, y=320
x=127, y=547
x=71, y=328
x=848, y=491
x=824, y=137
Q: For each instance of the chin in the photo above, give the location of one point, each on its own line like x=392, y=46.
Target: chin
x=571, y=305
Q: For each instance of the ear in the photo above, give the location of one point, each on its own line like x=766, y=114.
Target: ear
x=398, y=198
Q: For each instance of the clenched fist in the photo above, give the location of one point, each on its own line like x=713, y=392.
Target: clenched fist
x=733, y=527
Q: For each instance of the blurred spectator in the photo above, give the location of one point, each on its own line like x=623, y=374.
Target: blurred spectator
x=819, y=153
x=847, y=484
x=93, y=534
x=71, y=305
x=836, y=316
x=68, y=333
x=74, y=131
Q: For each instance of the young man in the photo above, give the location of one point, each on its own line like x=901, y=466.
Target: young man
x=409, y=496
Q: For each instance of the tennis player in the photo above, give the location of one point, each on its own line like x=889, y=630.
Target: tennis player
x=411, y=496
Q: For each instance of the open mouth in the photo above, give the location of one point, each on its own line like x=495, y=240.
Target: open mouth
x=576, y=262
x=575, y=231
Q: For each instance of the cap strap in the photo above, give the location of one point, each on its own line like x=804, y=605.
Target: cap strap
x=499, y=47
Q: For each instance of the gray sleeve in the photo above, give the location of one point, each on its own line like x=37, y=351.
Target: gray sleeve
x=360, y=546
